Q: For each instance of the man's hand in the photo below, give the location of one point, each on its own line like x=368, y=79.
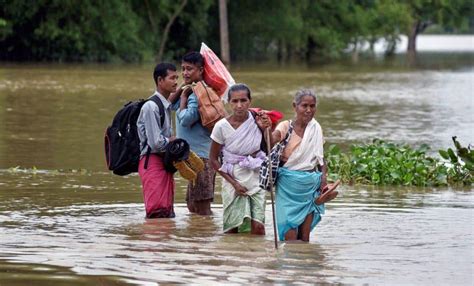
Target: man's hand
x=186, y=90
x=184, y=97
x=174, y=96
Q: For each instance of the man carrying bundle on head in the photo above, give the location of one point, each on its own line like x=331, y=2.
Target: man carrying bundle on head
x=189, y=127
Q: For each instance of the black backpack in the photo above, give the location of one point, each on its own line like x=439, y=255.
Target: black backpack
x=122, y=144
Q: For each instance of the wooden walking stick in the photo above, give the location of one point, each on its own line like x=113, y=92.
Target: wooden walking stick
x=270, y=184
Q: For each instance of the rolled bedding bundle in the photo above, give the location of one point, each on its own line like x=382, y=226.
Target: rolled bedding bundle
x=195, y=162
x=189, y=168
x=178, y=157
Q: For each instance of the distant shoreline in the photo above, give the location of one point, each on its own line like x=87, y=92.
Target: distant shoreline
x=431, y=43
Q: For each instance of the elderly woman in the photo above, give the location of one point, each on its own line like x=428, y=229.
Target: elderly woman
x=301, y=189
x=239, y=138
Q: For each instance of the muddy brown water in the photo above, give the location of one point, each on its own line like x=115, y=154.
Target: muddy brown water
x=65, y=220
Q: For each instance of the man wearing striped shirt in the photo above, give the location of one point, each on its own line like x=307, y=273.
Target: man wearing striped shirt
x=155, y=134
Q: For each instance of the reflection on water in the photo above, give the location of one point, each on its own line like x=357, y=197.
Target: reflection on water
x=370, y=235
x=80, y=225
x=54, y=116
x=20, y=274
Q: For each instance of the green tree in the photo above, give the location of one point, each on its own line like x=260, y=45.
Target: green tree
x=107, y=30
x=171, y=28
x=65, y=31
x=163, y=13
x=388, y=19
x=449, y=13
x=308, y=29
x=262, y=28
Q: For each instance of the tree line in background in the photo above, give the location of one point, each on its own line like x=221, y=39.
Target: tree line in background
x=144, y=30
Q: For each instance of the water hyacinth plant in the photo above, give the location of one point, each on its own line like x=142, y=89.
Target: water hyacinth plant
x=461, y=162
x=386, y=163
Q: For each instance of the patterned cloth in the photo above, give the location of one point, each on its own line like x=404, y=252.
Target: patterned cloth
x=203, y=188
x=274, y=160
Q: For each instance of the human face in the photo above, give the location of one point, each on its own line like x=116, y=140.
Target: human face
x=306, y=109
x=169, y=83
x=239, y=102
x=191, y=72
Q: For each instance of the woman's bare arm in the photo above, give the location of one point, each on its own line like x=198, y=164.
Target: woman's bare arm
x=276, y=137
x=216, y=165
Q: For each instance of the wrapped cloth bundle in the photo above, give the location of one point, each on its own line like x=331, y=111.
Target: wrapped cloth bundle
x=215, y=73
x=189, y=168
x=274, y=115
x=195, y=162
x=179, y=157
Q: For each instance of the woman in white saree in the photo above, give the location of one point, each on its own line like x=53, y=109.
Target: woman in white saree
x=238, y=138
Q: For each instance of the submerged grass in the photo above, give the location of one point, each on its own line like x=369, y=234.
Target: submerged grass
x=386, y=163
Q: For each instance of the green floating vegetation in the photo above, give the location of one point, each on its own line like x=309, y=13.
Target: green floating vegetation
x=386, y=163
x=378, y=163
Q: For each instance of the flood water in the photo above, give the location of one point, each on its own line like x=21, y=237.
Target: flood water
x=65, y=220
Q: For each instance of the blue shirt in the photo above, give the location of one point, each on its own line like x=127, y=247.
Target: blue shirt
x=189, y=127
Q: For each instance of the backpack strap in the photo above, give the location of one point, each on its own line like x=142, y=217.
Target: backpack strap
x=161, y=107
x=147, y=157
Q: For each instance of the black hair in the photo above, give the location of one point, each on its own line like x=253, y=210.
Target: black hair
x=194, y=58
x=161, y=70
x=239, y=87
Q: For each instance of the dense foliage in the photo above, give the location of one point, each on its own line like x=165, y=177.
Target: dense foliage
x=385, y=163
x=66, y=31
x=125, y=30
